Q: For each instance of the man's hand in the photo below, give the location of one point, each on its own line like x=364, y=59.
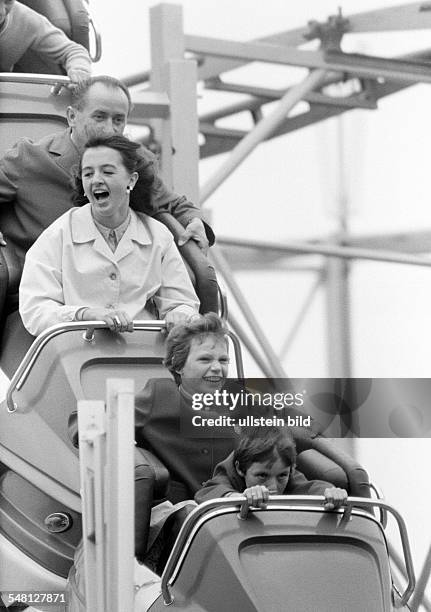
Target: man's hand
x=195, y=231
x=2, y=240
x=78, y=75
x=117, y=320
x=334, y=498
x=175, y=316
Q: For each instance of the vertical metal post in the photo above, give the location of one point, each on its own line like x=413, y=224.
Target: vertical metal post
x=338, y=298
x=167, y=42
x=170, y=72
x=182, y=164
x=120, y=494
x=338, y=295
x=106, y=449
x=92, y=440
x=338, y=324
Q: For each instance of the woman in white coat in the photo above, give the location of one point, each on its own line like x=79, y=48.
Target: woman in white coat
x=105, y=261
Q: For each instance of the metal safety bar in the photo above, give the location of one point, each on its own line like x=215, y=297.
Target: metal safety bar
x=95, y=57
x=379, y=494
x=29, y=77
x=216, y=506
x=32, y=354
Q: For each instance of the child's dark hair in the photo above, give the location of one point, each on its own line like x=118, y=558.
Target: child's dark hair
x=133, y=160
x=259, y=444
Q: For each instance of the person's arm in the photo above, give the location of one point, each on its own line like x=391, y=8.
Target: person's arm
x=189, y=215
x=143, y=407
x=52, y=42
x=176, y=299
x=9, y=177
x=300, y=485
x=218, y=486
x=41, y=299
x=225, y=482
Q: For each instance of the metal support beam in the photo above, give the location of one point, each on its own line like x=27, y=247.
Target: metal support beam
x=338, y=318
x=338, y=278
x=221, y=141
x=167, y=43
x=213, y=66
x=243, y=336
x=148, y=104
x=400, y=566
x=300, y=317
x=354, y=64
x=262, y=95
x=419, y=593
x=182, y=160
x=262, y=130
x=224, y=269
x=308, y=248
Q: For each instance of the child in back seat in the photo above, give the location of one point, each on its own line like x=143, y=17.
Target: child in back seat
x=264, y=464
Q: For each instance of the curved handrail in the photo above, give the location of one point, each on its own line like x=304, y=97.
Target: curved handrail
x=30, y=77
x=33, y=352
x=97, y=40
x=284, y=502
x=238, y=354
x=379, y=494
x=224, y=310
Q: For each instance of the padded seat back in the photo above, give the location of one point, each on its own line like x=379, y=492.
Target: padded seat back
x=324, y=461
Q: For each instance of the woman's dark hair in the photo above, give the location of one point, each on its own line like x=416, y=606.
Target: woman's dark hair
x=132, y=155
x=181, y=335
x=259, y=444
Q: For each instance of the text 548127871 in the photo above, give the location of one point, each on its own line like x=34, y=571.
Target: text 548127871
x=34, y=597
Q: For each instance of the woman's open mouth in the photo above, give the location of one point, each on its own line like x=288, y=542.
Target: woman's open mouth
x=100, y=195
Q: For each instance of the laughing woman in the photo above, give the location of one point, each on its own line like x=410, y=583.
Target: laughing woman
x=104, y=261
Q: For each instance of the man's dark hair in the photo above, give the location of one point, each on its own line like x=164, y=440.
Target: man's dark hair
x=133, y=160
x=80, y=91
x=181, y=335
x=259, y=444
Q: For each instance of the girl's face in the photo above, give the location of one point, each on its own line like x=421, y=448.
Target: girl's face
x=207, y=364
x=105, y=180
x=274, y=475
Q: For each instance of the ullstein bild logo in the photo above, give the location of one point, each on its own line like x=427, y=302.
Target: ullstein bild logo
x=231, y=401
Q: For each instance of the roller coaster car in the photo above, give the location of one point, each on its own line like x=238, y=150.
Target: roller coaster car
x=291, y=556
x=294, y=555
